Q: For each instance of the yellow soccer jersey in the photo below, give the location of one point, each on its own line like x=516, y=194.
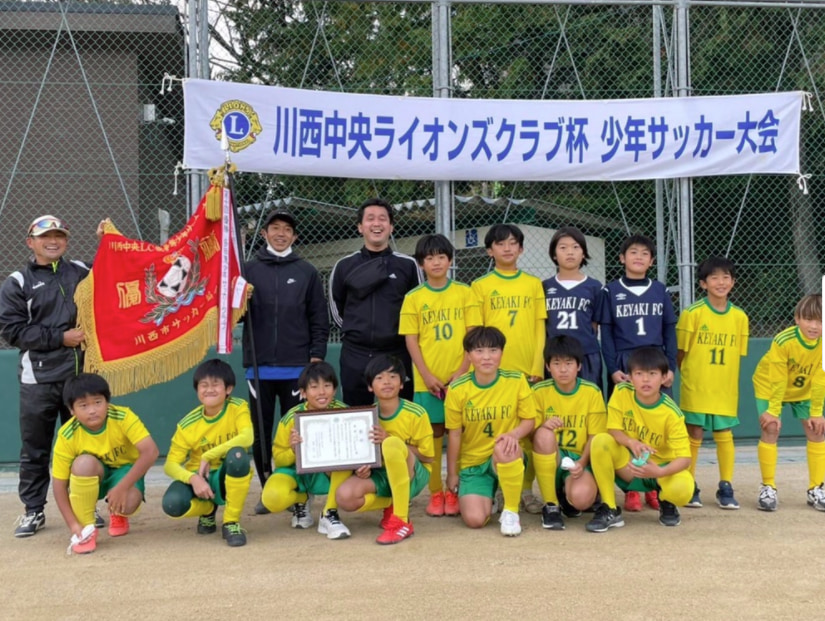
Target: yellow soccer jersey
x=113, y=444
x=485, y=412
x=818, y=393
x=514, y=304
x=582, y=412
x=198, y=437
x=411, y=424
x=282, y=452
x=783, y=375
x=440, y=318
x=661, y=426
x=714, y=344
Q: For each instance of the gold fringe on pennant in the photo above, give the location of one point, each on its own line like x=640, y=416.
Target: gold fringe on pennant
x=214, y=195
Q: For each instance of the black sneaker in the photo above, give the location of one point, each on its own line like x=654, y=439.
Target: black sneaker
x=260, y=509
x=30, y=523
x=233, y=533
x=206, y=523
x=99, y=521
x=566, y=508
x=668, y=514
x=551, y=517
x=605, y=518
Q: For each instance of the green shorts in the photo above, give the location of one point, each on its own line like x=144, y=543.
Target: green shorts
x=113, y=476
x=433, y=405
x=801, y=410
x=638, y=485
x=316, y=483
x=480, y=480
x=562, y=474
x=420, y=480
x=711, y=422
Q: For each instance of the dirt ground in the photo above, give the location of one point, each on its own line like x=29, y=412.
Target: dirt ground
x=717, y=565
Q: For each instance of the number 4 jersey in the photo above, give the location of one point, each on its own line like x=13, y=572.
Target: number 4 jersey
x=713, y=343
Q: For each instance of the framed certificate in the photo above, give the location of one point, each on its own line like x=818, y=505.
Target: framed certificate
x=336, y=440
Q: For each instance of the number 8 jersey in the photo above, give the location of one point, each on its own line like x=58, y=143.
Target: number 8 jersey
x=784, y=374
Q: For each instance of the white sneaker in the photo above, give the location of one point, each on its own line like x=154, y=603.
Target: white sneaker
x=301, y=514
x=767, y=499
x=510, y=523
x=816, y=497
x=331, y=525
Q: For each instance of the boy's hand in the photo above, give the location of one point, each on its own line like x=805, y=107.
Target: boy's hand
x=201, y=487
x=363, y=472
x=620, y=376
x=648, y=471
x=203, y=469
x=553, y=423
x=452, y=482
x=73, y=337
x=294, y=439
x=508, y=444
x=532, y=379
x=637, y=447
x=667, y=382
x=577, y=470
x=815, y=424
x=117, y=498
x=766, y=420
x=378, y=435
x=434, y=386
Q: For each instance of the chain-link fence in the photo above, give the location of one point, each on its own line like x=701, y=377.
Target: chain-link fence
x=87, y=132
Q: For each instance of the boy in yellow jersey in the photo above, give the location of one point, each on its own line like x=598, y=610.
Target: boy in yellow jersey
x=784, y=375
x=712, y=338
x=285, y=487
x=488, y=412
x=208, y=458
x=435, y=317
x=569, y=412
x=513, y=301
x=406, y=438
x=103, y=451
x=646, y=445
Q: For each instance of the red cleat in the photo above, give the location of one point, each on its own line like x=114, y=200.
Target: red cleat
x=397, y=530
x=118, y=525
x=652, y=499
x=632, y=501
x=451, y=504
x=386, y=519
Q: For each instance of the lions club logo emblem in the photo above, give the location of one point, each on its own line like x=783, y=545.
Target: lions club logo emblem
x=240, y=122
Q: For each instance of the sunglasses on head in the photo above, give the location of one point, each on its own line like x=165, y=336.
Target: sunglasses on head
x=46, y=224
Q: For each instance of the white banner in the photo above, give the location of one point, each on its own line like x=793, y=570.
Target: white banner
x=300, y=132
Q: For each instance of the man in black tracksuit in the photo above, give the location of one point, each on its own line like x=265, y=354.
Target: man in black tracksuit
x=290, y=326
x=366, y=291
x=39, y=317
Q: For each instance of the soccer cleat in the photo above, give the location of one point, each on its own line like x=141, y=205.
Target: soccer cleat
x=99, y=522
x=551, y=518
x=118, y=525
x=29, y=523
x=386, y=518
x=435, y=508
x=301, y=517
x=695, y=501
x=234, y=535
x=632, y=501
x=85, y=546
x=816, y=497
x=767, y=499
x=530, y=503
x=206, y=523
x=605, y=518
x=260, y=509
x=669, y=514
x=451, y=507
x=652, y=499
x=724, y=496
x=510, y=523
x=395, y=531
x=331, y=525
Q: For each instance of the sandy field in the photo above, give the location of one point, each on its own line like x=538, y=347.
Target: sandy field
x=718, y=564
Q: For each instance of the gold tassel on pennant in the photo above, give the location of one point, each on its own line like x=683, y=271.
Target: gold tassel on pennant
x=214, y=196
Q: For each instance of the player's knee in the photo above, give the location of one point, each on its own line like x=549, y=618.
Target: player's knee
x=602, y=443
x=544, y=441
x=87, y=466
x=475, y=519
x=237, y=462
x=721, y=437
x=394, y=449
x=347, y=499
x=275, y=496
x=177, y=499
x=678, y=489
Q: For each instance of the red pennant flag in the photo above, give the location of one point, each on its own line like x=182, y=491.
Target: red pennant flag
x=151, y=312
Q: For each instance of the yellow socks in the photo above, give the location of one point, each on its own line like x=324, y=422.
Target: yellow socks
x=280, y=492
x=529, y=467
x=395, y=454
x=695, y=445
x=335, y=479
x=816, y=463
x=546, y=476
x=725, y=454
x=436, y=483
x=236, y=490
x=606, y=456
x=510, y=476
x=767, y=455
x=199, y=507
x=83, y=493
x=375, y=503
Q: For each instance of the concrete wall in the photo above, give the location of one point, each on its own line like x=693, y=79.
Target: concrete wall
x=162, y=406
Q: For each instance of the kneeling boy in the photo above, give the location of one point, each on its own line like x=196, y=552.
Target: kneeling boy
x=488, y=412
x=104, y=450
x=208, y=457
x=646, y=446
